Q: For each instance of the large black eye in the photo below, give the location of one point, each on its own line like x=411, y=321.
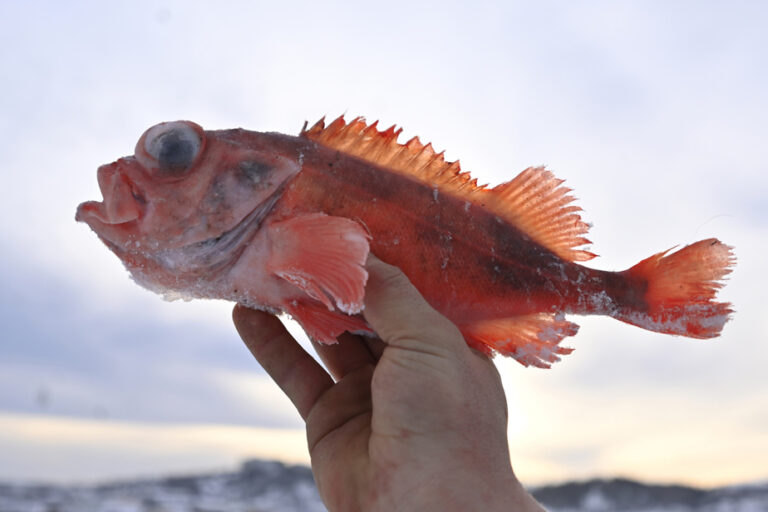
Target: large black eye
x=173, y=145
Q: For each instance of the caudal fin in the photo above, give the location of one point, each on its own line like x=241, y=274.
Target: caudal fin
x=680, y=288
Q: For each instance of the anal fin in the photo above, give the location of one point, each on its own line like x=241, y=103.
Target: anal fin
x=533, y=340
x=325, y=326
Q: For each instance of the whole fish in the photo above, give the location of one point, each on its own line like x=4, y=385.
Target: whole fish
x=285, y=224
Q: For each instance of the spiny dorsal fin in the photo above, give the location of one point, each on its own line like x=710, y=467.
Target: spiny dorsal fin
x=533, y=202
x=413, y=158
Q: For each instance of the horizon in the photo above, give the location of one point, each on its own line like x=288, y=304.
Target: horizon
x=237, y=465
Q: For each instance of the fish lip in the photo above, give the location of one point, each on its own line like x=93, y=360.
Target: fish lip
x=123, y=202
x=93, y=214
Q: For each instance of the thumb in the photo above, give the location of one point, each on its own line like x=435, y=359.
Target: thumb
x=400, y=315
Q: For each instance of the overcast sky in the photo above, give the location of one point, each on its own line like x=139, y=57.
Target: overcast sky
x=653, y=111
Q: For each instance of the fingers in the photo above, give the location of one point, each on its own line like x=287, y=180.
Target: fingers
x=399, y=314
x=300, y=377
x=352, y=352
x=375, y=345
x=346, y=405
x=346, y=356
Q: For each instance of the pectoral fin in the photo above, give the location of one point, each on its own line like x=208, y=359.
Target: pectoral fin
x=324, y=256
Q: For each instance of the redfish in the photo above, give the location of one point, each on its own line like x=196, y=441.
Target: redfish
x=285, y=224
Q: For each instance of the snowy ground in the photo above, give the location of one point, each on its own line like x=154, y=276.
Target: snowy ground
x=264, y=486
x=259, y=486
x=625, y=495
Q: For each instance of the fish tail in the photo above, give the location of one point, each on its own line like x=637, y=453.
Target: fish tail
x=678, y=291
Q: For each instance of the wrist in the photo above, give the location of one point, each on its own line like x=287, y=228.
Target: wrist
x=459, y=493
x=501, y=495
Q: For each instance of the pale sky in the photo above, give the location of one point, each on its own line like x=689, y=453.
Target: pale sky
x=654, y=112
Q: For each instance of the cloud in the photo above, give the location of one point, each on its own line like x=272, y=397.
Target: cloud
x=67, y=450
x=124, y=363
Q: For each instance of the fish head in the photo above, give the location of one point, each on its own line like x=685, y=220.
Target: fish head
x=166, y=208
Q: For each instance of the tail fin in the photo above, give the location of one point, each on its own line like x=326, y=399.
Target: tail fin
x=680, y=288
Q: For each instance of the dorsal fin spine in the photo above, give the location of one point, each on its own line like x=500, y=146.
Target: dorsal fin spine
x=371, y=129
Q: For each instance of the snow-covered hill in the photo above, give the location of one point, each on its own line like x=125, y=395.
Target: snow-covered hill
x=266, y=486
x=620, y=495
x=259, y=486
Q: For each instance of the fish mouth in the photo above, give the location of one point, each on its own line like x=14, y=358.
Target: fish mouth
x=123, y=202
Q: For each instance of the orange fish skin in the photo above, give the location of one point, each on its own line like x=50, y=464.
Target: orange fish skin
x=468, y=264
x=285, y=223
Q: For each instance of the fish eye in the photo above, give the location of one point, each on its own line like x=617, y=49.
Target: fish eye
x=174, y=146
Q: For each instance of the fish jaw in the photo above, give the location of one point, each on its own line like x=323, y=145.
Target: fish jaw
x=121, y=207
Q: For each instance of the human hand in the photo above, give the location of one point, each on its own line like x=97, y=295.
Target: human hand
x=417, y=421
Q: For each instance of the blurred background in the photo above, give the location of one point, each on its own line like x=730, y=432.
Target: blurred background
x=654, y=112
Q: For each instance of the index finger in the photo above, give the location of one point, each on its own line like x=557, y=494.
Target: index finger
x=290, y=366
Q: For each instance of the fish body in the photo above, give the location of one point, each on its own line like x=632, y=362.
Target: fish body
x=285, y=224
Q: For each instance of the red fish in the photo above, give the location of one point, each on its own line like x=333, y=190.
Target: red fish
x=285, y=224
